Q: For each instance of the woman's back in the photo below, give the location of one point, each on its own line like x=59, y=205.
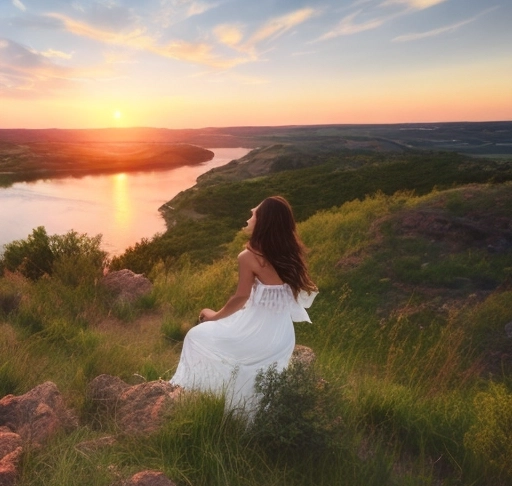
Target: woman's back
x=261, y=268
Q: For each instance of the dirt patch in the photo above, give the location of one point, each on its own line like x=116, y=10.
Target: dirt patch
x=458, y=233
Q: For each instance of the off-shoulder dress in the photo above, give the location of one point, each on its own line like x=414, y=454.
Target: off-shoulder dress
x=224, y=356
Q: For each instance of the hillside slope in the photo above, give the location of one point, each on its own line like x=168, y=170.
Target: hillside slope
x=409, y=328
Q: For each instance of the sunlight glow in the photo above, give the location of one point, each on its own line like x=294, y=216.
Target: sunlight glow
x=122, y=204
x=117, y=114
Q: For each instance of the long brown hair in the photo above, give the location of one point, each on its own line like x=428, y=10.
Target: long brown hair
x=275, y=237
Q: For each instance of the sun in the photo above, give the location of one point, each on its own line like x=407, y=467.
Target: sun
x=117, y=114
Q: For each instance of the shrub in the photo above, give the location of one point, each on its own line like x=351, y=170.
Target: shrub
x=31, y=257
x=295, y=411
x=73, y=255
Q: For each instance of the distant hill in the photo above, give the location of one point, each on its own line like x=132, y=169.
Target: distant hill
x=28, y=154
x=491, y=138
x=23, y=161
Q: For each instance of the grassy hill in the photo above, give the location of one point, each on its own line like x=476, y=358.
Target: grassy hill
x=409, y=331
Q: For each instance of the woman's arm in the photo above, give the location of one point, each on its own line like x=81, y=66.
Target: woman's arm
x=246, y=277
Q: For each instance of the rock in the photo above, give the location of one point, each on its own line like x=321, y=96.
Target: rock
x=303, y=354
x=138, y=409
x=9, y=467
x=37, y=415
x=126, y=285
x=9, y=442
x=148, y=478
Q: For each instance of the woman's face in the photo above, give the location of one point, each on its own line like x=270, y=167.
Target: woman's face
x=251, y=221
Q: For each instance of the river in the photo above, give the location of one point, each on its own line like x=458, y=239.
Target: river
x=122, y=207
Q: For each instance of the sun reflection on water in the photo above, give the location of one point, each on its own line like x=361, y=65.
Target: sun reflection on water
x=123, y=210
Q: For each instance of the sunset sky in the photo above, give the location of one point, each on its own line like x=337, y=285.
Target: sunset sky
x=200, y=63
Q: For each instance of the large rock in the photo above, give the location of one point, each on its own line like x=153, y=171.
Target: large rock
x=37, y=415
x=138, y=409
x=126, y=285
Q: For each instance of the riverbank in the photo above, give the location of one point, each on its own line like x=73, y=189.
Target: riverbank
x=31, y=161
x=123, y=207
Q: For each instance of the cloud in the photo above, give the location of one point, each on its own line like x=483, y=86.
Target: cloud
x=232, y=35
x=54, y=53
x=279, y=25
x=174, y=11
x=348, y=26
x=134, y=38
x=414, y=4
x=18, y=4
x=431, y=33
x=440, y=30
x=198, y=8
x=229, y=35
x=195, y=52
x=25, y=73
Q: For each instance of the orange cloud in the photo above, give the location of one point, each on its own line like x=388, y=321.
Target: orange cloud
x=414, y=4
x=196, y=52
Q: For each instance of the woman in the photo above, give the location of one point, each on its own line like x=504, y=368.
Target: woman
x=254, y=329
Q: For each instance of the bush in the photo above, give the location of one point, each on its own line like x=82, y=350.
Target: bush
x=72, y=256
x=295, y=411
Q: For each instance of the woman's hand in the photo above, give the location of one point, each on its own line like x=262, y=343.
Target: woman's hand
x=207, y=315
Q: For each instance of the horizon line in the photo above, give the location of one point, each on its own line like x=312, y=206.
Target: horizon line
x=267, y=126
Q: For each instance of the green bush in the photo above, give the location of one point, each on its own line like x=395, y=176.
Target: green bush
x=74, y=256
x=295, y=411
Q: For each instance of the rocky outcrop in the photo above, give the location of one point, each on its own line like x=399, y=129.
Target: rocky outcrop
x=127, y=286
x=138, y=409
x=29, y=420
x=36, y=415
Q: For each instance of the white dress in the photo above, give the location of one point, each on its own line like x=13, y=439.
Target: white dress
x=225, y=356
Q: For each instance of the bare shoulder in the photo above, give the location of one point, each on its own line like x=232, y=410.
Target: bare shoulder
x=246, y=256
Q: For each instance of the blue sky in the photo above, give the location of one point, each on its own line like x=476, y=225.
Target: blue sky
x=182, y=63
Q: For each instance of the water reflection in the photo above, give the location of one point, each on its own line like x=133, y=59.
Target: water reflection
x=122, y=207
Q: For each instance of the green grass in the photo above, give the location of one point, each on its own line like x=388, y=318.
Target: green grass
x=408, y=329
